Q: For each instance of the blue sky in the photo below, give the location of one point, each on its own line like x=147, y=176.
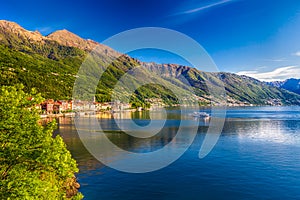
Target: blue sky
x=260, y=38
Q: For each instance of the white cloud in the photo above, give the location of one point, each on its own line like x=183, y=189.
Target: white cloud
x=203, y=7
x=278, y=74
x=296, y=53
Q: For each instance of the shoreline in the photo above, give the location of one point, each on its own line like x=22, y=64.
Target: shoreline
x=92, y=113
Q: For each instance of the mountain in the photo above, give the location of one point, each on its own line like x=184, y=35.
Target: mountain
x=239, y=89
x=66, y=38
x=16, y=30
x=50, y=64
x=57, y=45
x=291, y=84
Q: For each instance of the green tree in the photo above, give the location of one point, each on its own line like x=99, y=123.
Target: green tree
x=33, y=164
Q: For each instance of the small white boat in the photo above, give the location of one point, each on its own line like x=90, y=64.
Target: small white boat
x=200, y=114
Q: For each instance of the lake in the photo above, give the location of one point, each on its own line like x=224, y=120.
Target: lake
x=256, y=157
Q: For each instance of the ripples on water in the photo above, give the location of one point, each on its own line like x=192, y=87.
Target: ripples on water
x=256, y=157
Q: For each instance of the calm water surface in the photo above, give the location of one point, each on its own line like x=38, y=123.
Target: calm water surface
x=256, y=157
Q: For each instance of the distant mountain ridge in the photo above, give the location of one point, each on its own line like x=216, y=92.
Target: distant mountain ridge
x=291, y=84
x=50, y=64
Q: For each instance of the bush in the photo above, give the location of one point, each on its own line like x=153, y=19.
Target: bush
x=33, y=164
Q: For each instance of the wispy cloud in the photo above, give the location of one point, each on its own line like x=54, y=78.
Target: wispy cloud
x=278, y=74
x=195, y=10
x=296, y=53
x=276, y=60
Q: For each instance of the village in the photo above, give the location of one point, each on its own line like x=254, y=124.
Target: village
x=56, y=108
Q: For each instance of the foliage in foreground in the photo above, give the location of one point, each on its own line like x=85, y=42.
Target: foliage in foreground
x=33, y=164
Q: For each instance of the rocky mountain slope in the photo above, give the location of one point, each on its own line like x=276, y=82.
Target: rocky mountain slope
x=291, y=84
x=239, y=89
x=50, y=64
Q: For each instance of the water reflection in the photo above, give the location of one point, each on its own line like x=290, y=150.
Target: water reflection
x=118, y=148
x=241, y=123
x=257, y=157
x=92, y=135
x=85, y=160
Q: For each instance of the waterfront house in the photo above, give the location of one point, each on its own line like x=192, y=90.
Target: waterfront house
x=56, y=107
x=64, y=105
x=97, y=106
x=106, y=106
x=79, y=105
x=47, y=106
x=119, y=106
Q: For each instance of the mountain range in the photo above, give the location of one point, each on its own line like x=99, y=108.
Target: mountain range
x=50, y=64
x=291, y=84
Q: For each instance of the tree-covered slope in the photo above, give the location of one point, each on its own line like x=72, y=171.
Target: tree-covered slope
x=246, y=89
x=54, y=79
x=239, y=89
x=50, y=64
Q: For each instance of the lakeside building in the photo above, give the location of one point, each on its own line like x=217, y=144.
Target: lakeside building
x=119, y=106
x=60, y=106
x=55, y=107
x=47, y=106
